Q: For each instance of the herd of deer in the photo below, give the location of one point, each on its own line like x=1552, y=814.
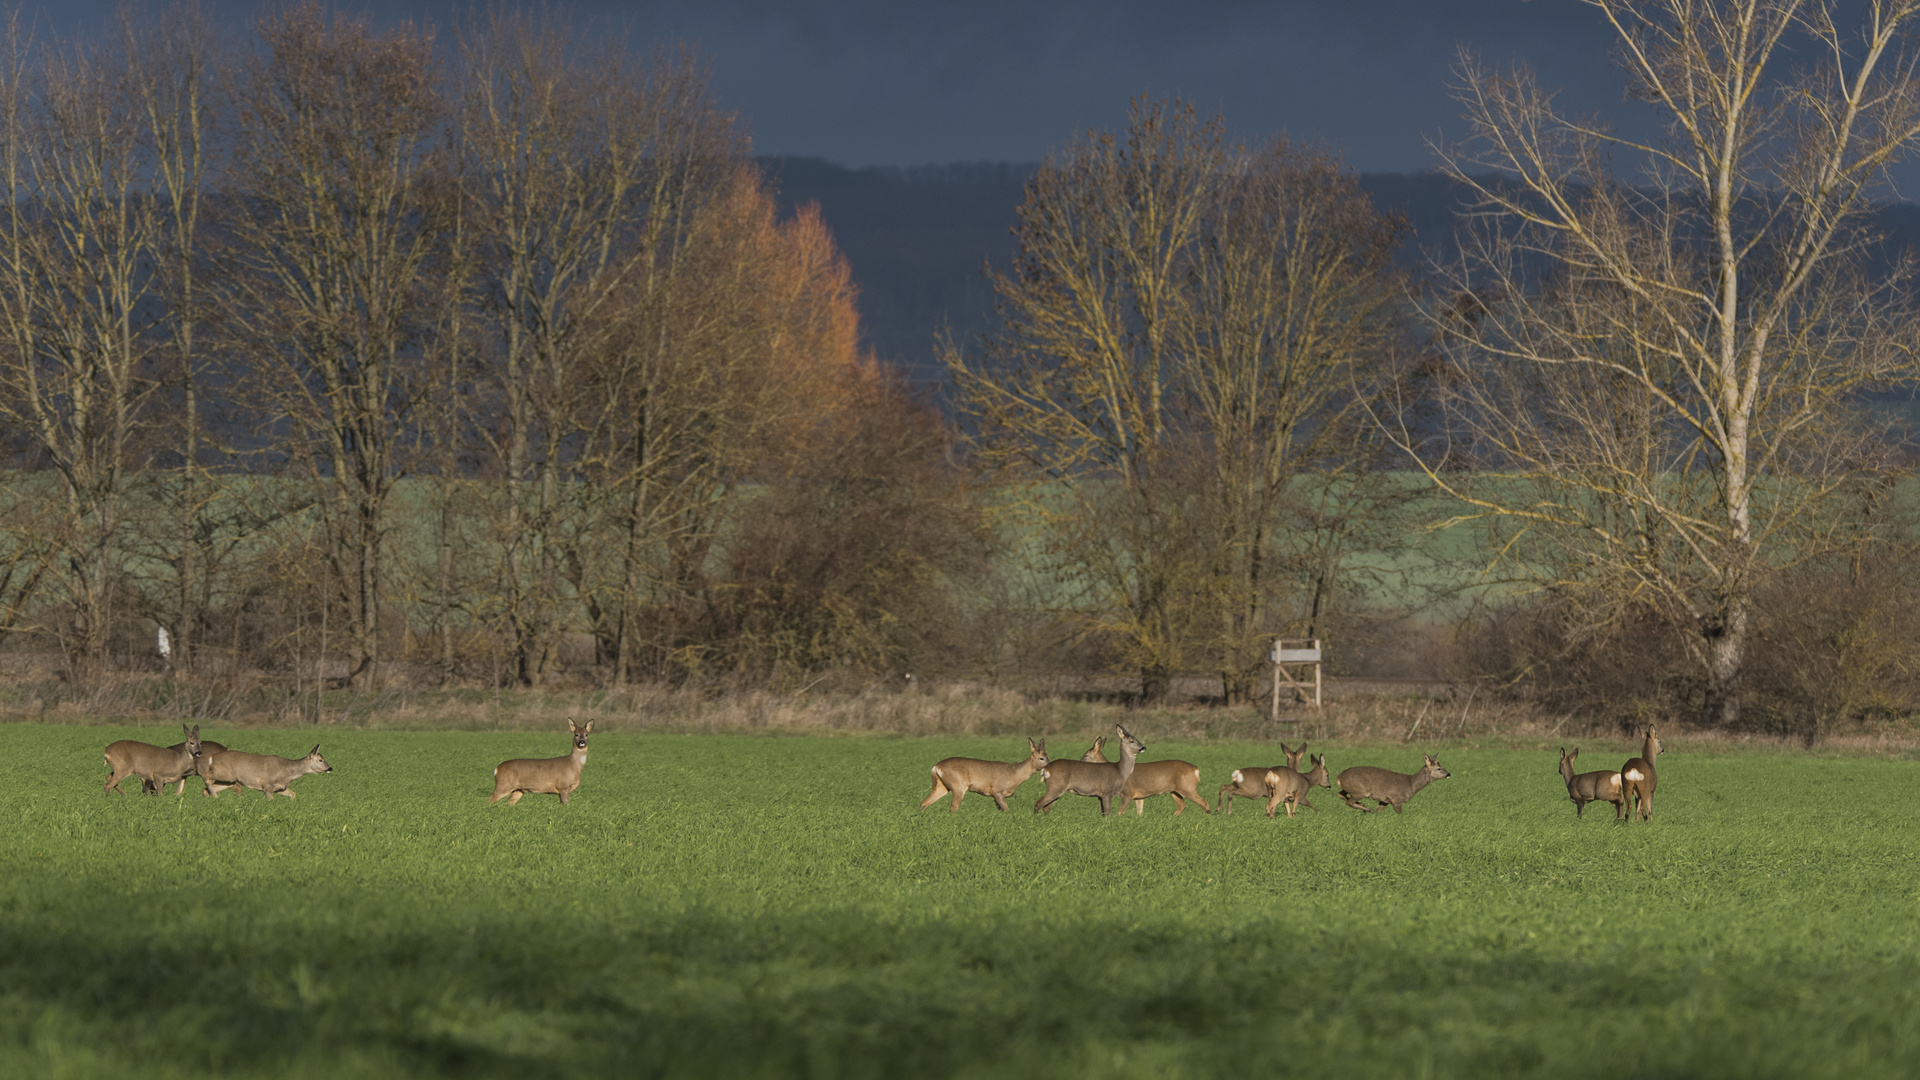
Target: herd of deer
x=1630, y=789
x=158, y=766
x=1130, y=780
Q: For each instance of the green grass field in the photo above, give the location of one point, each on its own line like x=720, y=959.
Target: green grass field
x=756, y=906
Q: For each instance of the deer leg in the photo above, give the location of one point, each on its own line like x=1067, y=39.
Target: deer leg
x=958, y=794
x=1397, y=806
x=1139, y=808
x=514, y=799
x=1225, y=798
x=1000, y=800
x=565, y=795
x=939, y=789
x=1273, y=802
x=1308, y=803
x=1290, y=809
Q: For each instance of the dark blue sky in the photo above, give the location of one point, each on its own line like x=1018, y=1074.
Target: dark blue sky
x=902, y=82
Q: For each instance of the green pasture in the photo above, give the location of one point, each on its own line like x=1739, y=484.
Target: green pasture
x=764, y=906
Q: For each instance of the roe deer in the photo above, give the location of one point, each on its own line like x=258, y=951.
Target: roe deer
x=1385, y=787
x=1180, y=779
x=543, y=776
x=1638, y=779
x=208, y=748
x=1251, y=782
x=265, y=773
x=1105, y=781
x=997, y=779
x=1602, y=785
x=157, y=765
x=1291, y=786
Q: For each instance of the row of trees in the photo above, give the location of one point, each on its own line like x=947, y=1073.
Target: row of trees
x=352, y=342
x=541, y=278
x=1641, y=383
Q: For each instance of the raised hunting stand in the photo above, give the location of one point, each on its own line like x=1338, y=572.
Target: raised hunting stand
x=1294, y=651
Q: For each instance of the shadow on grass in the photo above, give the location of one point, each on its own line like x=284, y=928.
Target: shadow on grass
x=845, y=995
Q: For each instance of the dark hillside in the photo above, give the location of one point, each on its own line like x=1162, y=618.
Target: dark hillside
x=917, y=238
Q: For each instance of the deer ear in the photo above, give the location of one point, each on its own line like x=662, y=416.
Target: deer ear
x=315, y=750
x=588, y=728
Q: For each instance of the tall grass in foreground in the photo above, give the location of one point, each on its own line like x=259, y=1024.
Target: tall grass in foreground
x=725, y=906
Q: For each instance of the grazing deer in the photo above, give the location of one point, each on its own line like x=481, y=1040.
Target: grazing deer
x=1096, y=752
x=1385, y=787
x=543, y=776
x=1291, y=786
x=1180, y=779
x=157, y=765
x=1251, y=782
x=997, y=779
x=207, y=749
x=1639, y=779
x=1602, y=785
x=1101, y=780
x=268, y=774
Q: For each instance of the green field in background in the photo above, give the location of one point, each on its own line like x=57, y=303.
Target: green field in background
x=763, y=906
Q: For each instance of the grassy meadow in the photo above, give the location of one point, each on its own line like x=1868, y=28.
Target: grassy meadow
x=731, y=905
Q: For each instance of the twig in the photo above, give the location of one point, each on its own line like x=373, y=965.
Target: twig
x=1416, y=722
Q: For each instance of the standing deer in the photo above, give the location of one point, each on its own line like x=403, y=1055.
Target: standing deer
x=1291, y=786
x=1385, y=787
x=1639, y=779
x=1101, y=780
x=1251, y=782
x=1602, y=785
x=1180, y=779
x=543, y=776
x=997, y=779
x=266, y=773
x=208, y=748
x=157, y=765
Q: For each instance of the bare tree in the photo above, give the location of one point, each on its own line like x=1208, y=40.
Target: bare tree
x=1656, y=377
x=1184, y=322
x=173, y=61
x=587, y=170
x=79, y=234
x=338, y=198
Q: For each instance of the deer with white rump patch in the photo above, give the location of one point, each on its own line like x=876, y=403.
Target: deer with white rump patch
x=543, y=776
x=268, y=774
x=1602, y=785
x=157, y=765
x=995, y=779
x=1251, y=782
x=1385, y=787
x=1638, y=778
x=1291, y=786
x=1101, y=780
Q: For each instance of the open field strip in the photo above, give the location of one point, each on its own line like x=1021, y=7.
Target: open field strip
x=727, y=905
